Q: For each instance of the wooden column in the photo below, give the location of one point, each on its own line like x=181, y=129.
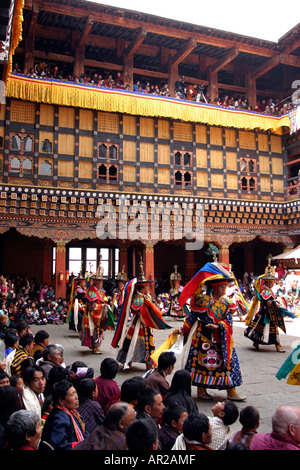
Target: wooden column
x=47, y=264
x=79, y=61
x=249, y=262
x=251, y=89
x=123, y=261
x=224, y=255
x=128, y=70
x=173, y=75
x=29, y=38
x=190, y=263
x=149, y=265
x=60, y=270
x=213, y=88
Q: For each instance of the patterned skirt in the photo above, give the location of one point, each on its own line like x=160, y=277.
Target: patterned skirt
x=206, y=365
x=144, y=346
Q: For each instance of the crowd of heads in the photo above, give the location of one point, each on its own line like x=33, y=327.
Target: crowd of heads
x=182, y=91
x=132, y=416
x=29, y=300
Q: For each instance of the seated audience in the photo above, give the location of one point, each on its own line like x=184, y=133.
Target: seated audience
x=225, y=414
x=23, y=430
x=51, y=357
x=156, y=378
x=34, y=387
x=111, y=435
x=180, y=391
x=107, y=386
x=285, y=434
x=249, y=419
x=196, y=433
x=64, y=427
x=9, y=403
x=172, y=422
x=89, y=409
x=141, y=435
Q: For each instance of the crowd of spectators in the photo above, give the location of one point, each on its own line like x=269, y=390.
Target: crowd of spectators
x=48, y=405
x=28, y=300
x=182, y=91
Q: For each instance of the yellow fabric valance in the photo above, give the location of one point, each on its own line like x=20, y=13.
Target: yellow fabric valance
x=64, y=93
x=16, y=34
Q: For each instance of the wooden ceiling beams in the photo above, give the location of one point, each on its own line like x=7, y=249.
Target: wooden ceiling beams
x=154, y=28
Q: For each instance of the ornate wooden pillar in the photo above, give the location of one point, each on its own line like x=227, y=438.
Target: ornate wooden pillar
x=60, y=270
x=123, y=260
x=190, y=263
x=29, y=37
x=249, y=261
x=224, y=255
x=128, y=70
x=149, y=264
x=47, y=264
x=251, y=89
x=213, y=88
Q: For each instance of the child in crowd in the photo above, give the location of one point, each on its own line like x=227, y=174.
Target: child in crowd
x=249, y=419
x=225, y=413
x=172, y=422
x=17, y=382
x=107, y=386
x=4, y=379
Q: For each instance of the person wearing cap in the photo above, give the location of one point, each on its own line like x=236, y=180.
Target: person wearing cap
x=95, y=316
x=266, y=315
x=175, y=310
x=209, y=354
x=77, y=302
x=118, y=292
x=136, y=342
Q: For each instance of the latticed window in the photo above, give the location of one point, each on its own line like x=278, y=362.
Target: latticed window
x=46, y=146
x=21, y=142
x=21, y=165
x=183, y=179
x=46, y=168
x=15, y=165
x=28, y=144
x=248, y=184
x=113, y=153
x=102, y=172
x=102, y=151
x=27, y=166
x=248, y=165
x=183, y=159
x=16, y=142
x=107, y=151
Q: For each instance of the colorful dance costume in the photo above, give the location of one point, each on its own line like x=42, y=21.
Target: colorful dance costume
x=266, y=315
x=212, y=359
x=136, y=342
x=97, y=315
x=209, y=354
x=77, y=303
x=175, y=310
